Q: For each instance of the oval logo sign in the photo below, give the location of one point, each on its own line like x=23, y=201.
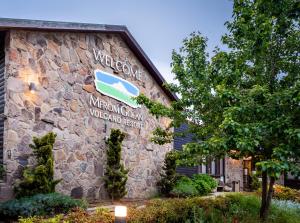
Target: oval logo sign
x=116, y=87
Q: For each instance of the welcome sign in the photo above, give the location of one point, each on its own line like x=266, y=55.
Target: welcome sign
x=116, y=87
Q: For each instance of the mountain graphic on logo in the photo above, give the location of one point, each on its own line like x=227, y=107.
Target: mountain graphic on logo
x=116, y=87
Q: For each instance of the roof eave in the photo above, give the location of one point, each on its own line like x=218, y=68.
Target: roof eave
x=9, y=23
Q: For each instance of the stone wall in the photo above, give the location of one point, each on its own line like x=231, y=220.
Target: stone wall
x=61, y=64
x=233, y=171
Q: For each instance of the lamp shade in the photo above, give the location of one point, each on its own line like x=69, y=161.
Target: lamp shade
x=120, y=211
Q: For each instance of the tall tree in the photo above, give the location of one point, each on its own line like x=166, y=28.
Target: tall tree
x=245, y=101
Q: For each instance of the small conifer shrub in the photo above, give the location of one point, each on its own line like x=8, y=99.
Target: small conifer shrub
x=116, y=175
x=169, y=175
x=39, y=179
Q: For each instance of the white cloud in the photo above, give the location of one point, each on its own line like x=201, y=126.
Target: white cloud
x=121, y=88
x=165, y=69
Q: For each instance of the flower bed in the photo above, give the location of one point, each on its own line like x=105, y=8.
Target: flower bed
x=232, y=207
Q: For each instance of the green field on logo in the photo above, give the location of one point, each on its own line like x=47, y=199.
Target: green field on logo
x=114, y=93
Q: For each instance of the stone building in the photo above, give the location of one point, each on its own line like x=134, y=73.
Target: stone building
x=77, y=80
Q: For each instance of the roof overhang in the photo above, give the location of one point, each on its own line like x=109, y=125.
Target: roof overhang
x=26, y=24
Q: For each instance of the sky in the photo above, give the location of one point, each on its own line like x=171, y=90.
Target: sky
x=159, y=26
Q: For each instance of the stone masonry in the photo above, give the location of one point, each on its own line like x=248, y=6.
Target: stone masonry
x=61, y=65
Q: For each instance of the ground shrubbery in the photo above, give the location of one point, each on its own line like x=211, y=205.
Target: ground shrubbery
x=198, y=185
x=230, y=208
x=242, y=208
x=286, y=193
x=184, y=187
x=175, y=185
x=204, y=183
x=40, y=204
x=101, y=215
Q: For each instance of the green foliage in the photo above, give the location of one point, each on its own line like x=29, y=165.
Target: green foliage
x=198, y=185
x=40, y=204
x=245, y=99
x=204, y=183
x=239, y=207
x=2, y=171
x=169, y=175
x=184, y=187
x=116, y=175
x=77, y=215
x=40, y=178
x=255, y=184
x=230, y=208
x=286, y=193
x=39, y=219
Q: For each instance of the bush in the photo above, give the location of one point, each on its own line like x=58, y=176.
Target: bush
x=255, y=184
x=204, y=183
x=184, y=187
x=169, y=175
x=115, y=175
x=233, y=207
x=78, y=215
x=286, y=193
x=39, y=180
x=199, y=184
x=40, y=204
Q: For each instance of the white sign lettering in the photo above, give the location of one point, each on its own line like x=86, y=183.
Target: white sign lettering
x=118, y=65
x=115, y=113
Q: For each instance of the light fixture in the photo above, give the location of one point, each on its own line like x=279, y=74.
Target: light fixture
x=120, y=214
x=32, y=87
x=9, y=154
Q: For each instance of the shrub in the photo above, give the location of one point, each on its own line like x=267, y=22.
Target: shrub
x=255, y=184
x=233, y=207
x=204, y=183
x=199, y=184
x=78, y=215
x=40, y=204
x=101, y=215
x=116, y=175
x=184, y=187
x=40, y=178
x=169, y=175
x=286, y=193
x=39, y=219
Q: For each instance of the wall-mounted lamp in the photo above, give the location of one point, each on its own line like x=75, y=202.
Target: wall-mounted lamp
x=32, y=87
x=9, y=154
x=120, y=214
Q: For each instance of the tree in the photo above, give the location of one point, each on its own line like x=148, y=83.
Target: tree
x=116, y=175
x=39, y=179
x=244, y=101
x=169, y=176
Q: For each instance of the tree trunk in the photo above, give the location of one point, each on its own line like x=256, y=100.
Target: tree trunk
x=269, y=197
x=266, y=196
